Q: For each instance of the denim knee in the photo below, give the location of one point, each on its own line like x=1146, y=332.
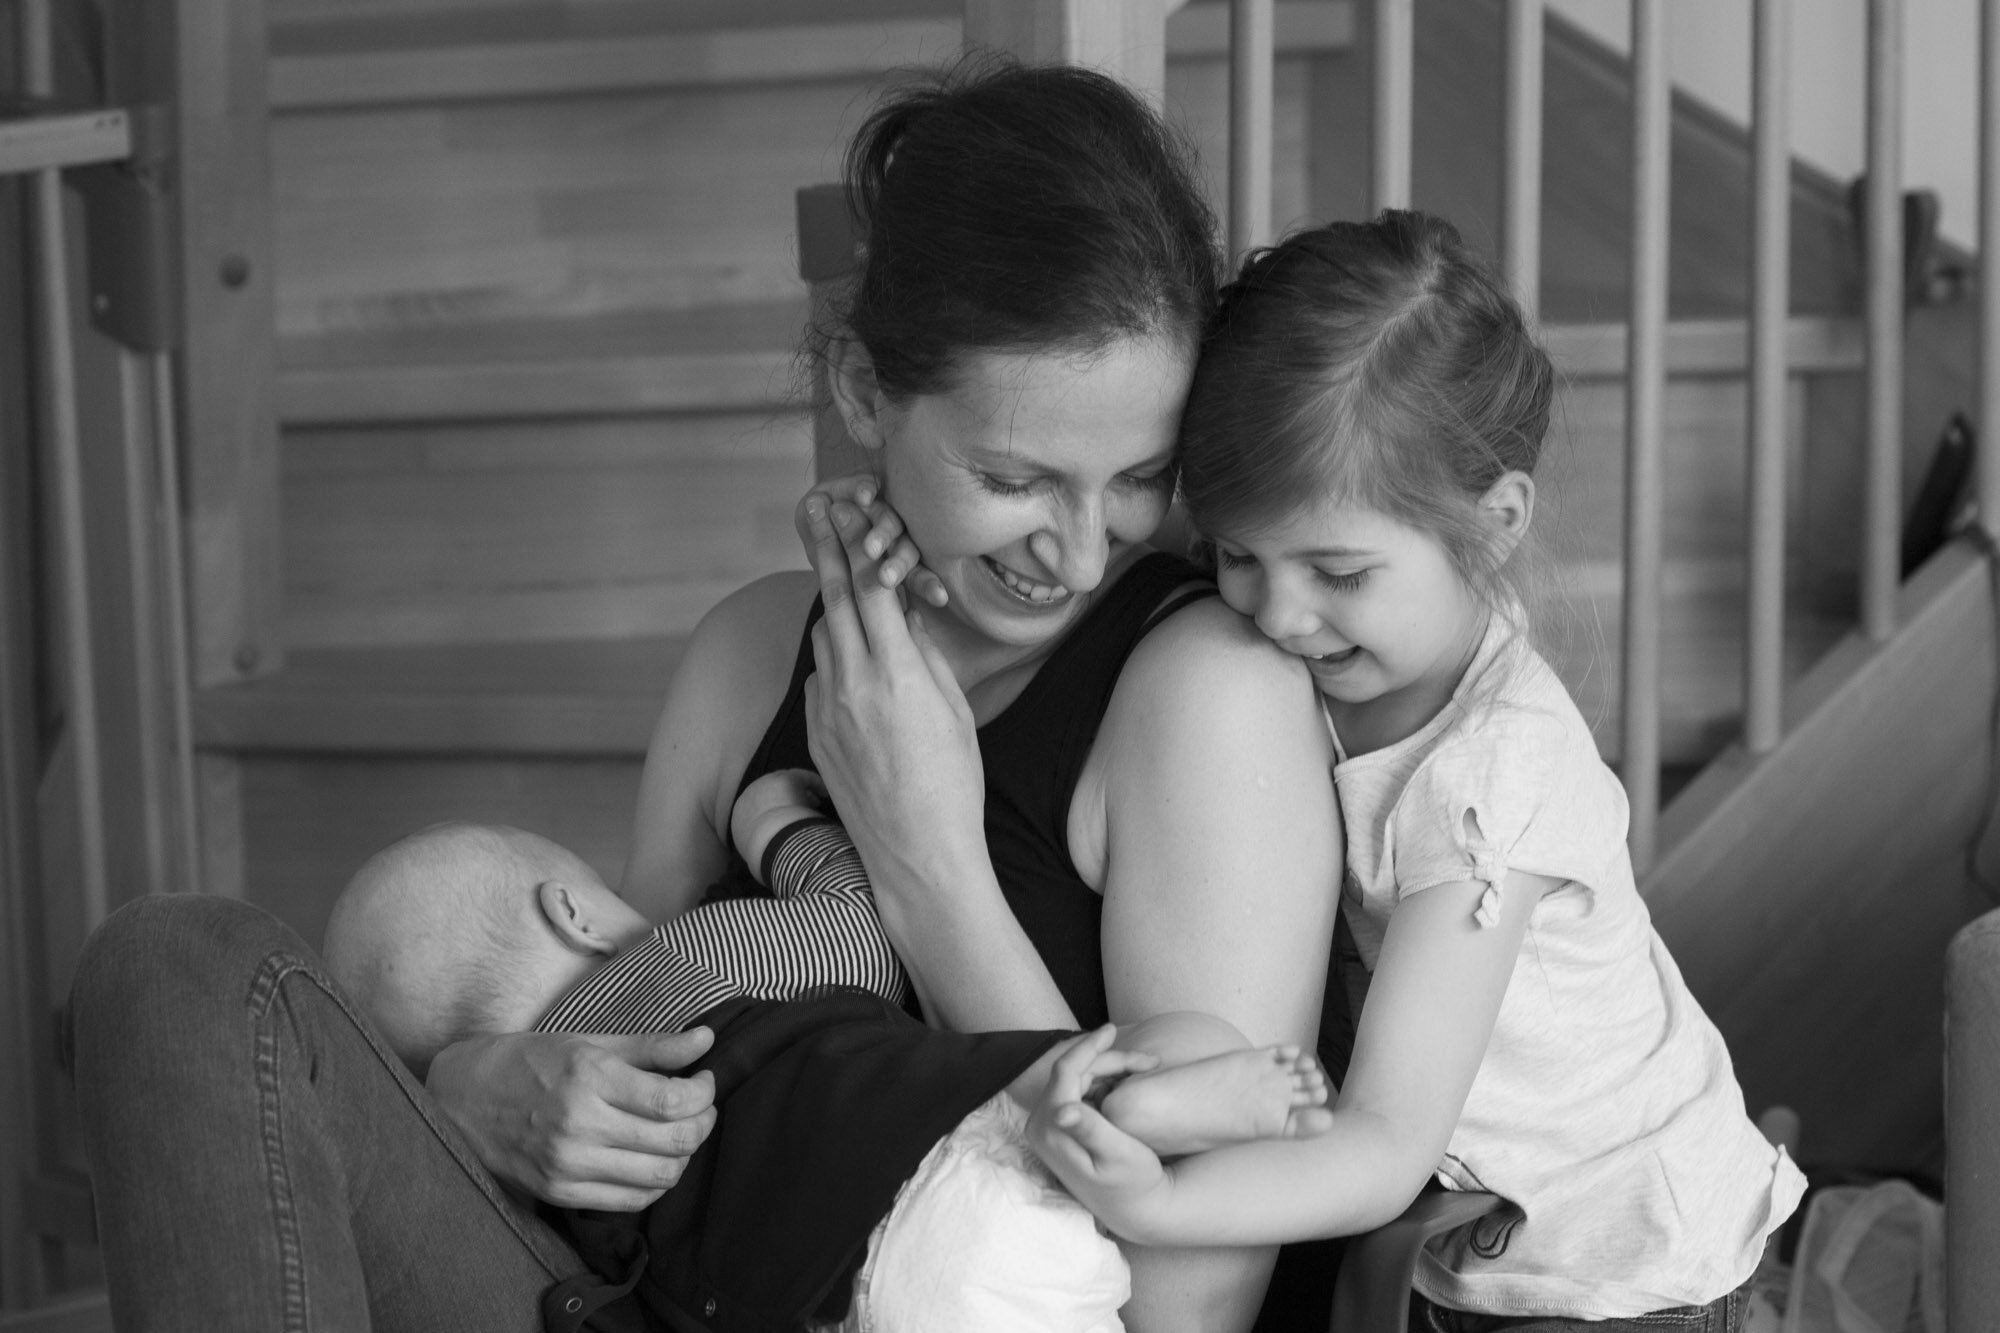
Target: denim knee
x=169, y=959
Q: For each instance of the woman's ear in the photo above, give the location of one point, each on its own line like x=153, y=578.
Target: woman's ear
x=856, y=395
x=1507, y=508
x=568, y=914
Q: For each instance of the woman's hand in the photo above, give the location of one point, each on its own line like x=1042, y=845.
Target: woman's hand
x=900, y=564
x=577, y=1121
x=889, y=729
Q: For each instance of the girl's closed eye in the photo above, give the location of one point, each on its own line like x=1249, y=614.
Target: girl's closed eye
x=1347, y=582
x=1228, y=559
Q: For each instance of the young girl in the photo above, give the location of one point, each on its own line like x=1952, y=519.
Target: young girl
x=1358, y=446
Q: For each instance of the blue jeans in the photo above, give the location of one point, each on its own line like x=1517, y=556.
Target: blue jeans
x=1724, y=1315
x=261, y=1160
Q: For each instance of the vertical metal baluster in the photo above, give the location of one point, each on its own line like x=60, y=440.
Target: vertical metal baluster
x=1989, y=248
x=1644, y=425
x=1252, y=62
x=1770, y=295
x=1395, y=94
x=173, y=578
x=1881, y=552
x=1521, y=178
x=58, y=411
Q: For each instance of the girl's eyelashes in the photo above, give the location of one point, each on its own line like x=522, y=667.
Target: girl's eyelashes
x=1228, y=559
x=1341, y=582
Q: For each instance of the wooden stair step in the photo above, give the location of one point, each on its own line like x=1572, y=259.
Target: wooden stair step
x=744, y=357
x=596, y=697
x=737, y=357
x=327, y=57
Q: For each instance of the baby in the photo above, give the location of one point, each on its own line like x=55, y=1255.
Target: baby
x=463, y=930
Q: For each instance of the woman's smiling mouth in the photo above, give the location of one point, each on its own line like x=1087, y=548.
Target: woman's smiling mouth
x=1025, y=589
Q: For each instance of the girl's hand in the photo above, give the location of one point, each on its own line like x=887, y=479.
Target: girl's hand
x=889, y=729
x=1110, y=1172
x=580, y=1122
x=900, y=564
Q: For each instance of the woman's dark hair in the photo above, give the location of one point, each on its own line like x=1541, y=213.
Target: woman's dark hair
x=1377, y=364
x=1015, y=208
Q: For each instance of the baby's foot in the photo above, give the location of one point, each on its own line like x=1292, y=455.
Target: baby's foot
x=1268, y=1093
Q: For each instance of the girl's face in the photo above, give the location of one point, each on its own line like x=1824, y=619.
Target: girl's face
x=1375, y=608
x=1030, y=477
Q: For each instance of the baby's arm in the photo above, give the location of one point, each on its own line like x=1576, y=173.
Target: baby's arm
x=787, y=840
x=1187, y=1082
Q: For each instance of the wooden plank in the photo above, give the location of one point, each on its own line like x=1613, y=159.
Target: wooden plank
x=340, y=62
x=574, y=698
x=311, y=822
x=33, y=143
x=76, y=1314
x=1814, y=345
x=219, y=800
x=229, y=304
x=1808, y=896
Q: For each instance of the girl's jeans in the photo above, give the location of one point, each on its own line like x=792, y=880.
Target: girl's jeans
x=261, y=1161
x=1720, y=1316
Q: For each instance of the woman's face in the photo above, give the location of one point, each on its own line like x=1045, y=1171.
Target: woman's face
x=1027, y=478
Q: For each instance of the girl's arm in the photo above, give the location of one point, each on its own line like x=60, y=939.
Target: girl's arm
x=1430, y=1012
x=596, y=1122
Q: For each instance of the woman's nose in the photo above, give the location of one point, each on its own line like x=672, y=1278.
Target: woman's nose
x=1075, y=546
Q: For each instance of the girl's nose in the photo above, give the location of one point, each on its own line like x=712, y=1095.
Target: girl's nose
x=1283, y=616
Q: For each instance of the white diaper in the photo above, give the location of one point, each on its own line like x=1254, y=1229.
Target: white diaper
x=983, y=1240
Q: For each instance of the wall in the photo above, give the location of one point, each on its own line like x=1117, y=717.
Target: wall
x=1709, y=53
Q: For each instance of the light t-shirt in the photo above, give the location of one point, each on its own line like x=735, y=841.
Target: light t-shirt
x=1605, y=1110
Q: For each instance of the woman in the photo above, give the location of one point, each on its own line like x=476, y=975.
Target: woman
x=1082, y=788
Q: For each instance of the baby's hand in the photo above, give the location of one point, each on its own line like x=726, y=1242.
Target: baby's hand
x=886, y=542
x=768, y=805
x=1111, y=1173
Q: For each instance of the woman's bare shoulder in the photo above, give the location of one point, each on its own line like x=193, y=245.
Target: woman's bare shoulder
x=749, y=638
x=1205, y=654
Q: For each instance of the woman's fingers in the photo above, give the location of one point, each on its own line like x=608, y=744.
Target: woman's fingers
x=844, y=640
x=879, y=607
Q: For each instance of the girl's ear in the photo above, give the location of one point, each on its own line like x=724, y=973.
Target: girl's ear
x=1507, y=508
x=856, y=395
x=568, y=914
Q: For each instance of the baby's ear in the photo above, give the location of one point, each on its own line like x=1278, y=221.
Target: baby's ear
x=568, y=914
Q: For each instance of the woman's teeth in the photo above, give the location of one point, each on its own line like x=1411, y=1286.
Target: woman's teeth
x=1041, y=594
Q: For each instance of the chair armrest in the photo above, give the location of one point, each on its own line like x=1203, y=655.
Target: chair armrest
x=1372, y=1294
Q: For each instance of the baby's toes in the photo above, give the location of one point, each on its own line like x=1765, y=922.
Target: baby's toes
x=1308, y=1121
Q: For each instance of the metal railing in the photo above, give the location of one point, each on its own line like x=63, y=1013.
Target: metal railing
x=1392, y=54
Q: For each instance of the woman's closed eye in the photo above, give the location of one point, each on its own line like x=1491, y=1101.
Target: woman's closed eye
x=1162, y=480
x=1003, y=485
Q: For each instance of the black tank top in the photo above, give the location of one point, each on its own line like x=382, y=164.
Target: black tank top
x=1033, y=754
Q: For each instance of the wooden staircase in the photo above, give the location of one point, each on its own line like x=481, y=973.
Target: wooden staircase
x=537, y=316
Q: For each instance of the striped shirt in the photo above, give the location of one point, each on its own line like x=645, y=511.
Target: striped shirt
x=819, y=931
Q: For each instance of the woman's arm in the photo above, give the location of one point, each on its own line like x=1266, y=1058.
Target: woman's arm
x=893, y=737
x=602, y=1122
x=1431, y=1007
x=1210, y=793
